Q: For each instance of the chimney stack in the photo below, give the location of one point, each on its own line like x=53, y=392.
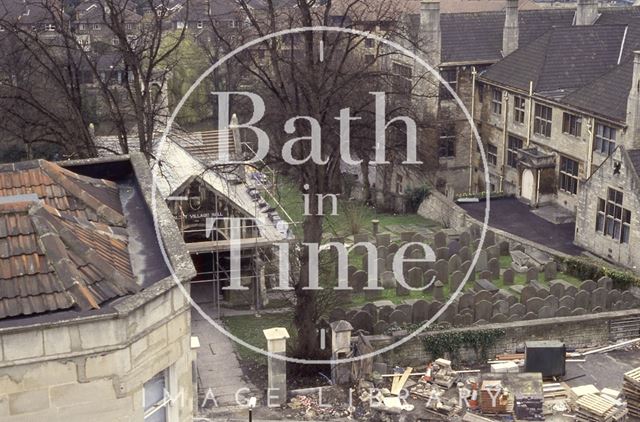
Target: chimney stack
x=586, y=12
x=510, y=31
x=632, y=134
x=430, y=30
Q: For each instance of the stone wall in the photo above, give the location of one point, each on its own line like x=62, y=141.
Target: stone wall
x=93, y=369
x=576, y=332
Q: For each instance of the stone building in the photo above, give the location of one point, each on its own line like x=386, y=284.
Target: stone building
x=552, y=111
x=607, y=221
x=93, y=325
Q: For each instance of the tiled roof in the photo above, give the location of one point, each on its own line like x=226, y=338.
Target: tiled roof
x=477, y=37
x=66, y=249
x=562, y=60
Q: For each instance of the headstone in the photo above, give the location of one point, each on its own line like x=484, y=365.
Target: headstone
x=465, y=301
x=455, y=280
x=482, y=295
x=454, y=263
x=434, y=307
x=381, y=328
x=504, y=248
x=517, y=309
x=599, y=298
x=465, y=239
x=552, y=302
x=563, y=311
x=550, y=271
x=605, y=282
x=515, y=318
x=442, y=253
x=486, y=274
x=383, y=252
x=556, y=288
x=359, y=280
x=519, y=261
x=363, y=321
x=454, y=247
x=360, y=238
x=543, y=293
x=530, y=316
x=393, y=248
x=415, y=277
x=383, y=239
x=380, y=262
x=493, y=252
x=407, y=236
x=484, y=284
x=578, y=311
x=501, y=307
x=489, y=238
x=440, y=240
x=442, y=268
x=588, y=285
x=464, y=254
x=596, y=310
x=420, y=311
x=399, y=318
x=613, y=297
x=388, y=262
x=494, y=267
x=419, y=238
x=534, y=304
x=463, y=320
x=384, y=312
x=372, y=310
x=483, y=262
x=527, y=293
x=429, y=279
x=532, y=274
x=583, y=299
x=567, y=302
x=508, y=277
x=438, y=291
x=448, y=315
x=484, y=310
x=337, y=314
x=546, y=312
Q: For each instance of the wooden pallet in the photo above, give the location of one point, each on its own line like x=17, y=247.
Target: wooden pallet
x=631, y=389
x=593, y=408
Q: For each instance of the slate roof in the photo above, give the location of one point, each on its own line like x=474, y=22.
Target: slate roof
x=561, y=60
x=477, y=37
x=65, y=249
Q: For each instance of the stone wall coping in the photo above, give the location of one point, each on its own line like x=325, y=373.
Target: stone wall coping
x=602, y=316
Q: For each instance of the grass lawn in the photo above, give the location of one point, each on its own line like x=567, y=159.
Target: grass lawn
x=249, y=329
x=351, y=215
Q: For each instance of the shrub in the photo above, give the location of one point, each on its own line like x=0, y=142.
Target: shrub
x=588, y=270
x=415, y=196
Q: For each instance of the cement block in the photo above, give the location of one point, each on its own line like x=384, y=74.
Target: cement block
x=178, y=327
x=86, y=392
x=57, y=341
x=100, y=366
x=29, y=401
x=100, y=333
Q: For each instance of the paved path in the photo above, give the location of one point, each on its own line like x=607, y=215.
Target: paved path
x=219, y=370
x=515, y=217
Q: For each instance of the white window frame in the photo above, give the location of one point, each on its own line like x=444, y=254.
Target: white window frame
x=169, y=396
x=519, y=109
x=605, y=139
x=542, y=124
x=496, y=101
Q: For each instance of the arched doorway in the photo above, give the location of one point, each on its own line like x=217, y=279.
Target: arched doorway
x=528, y=185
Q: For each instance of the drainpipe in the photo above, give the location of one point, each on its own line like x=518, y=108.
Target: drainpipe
x=472, y=138
x=537, y=188
x=592, y=136
x=530, y=119
x=505, y=132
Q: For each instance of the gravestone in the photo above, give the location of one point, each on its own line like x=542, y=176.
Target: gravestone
x=442, y=268
x=402, y=290
x=487, y=275
x=464, y=254
x=563, y=311
x=519, y=261
x=383, y=239
x=550, y=271
x=393, y=248
x=384, y=312
x=570, y=289
x=454, y=247
x=534, y=304
x=415, y=277
x=388, y=262
x=504, y=248
x=337, y=314
x=567, y=302
x=465, y=301
x=419, y=238
x=362, y=321
x=530, y=316
x=493, y=252
x=360, y=238
x=455, y=280
x=407, y=236
x=556, y=288
x=380, y=263
x=515, y=318
x=489, y=238
x=578, y=311
x=588, y=285
x=532, y=274
x=499, y=318
x=583, y=299
x=448, y=315
x=463, y=320
x=438, y=291
x=605, y=282
x=527, y=293
x=439, y=240
x=372, y=294
x=484, y=310
x=454, y=263
x=613, y=297
x=429, y=279
x=508, y=277
x=501, y=307
x=629, y=299
x=599, y=298
x=442, y=253
x=484, y=284
x=434, y=307
x=494, y=267
x=546, y=312
x=544, y=292
x=372, y=310
x=465, y=239
x=506, y=295
x=482, y=295
x=420, y=311
x=552, y=302
x=483, y=262
x=517, y=309
x=406, y=308
x=359, y=280
x=399, y=318
x=381, y=328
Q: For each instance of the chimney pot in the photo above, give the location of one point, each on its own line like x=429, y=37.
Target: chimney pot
x=510, y=32
x=586, y=12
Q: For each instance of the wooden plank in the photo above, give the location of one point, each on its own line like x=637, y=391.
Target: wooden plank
x=401, y=382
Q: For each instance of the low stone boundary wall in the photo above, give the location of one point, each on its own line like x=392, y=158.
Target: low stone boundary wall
x=575, y=331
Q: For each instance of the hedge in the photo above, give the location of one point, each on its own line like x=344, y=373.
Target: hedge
x=586, y=270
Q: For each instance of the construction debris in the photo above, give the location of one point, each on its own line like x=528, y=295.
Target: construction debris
x=631, y=389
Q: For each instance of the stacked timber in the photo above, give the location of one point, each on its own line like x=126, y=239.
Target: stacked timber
x=631, y=388
x=595, y=408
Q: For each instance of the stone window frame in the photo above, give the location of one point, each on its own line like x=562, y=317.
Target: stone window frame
x=512, y=149
x=605, y=139
x=492, y=154
x=450, y=75
x=404, y=73
x=96, y=27
x=496, y=101
x=571, y=124
x=447, y=142
x=568, y=180
x=612, y=219
x=543, y=120
x=160, y=399
x=200, y=24
x=519, y=106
